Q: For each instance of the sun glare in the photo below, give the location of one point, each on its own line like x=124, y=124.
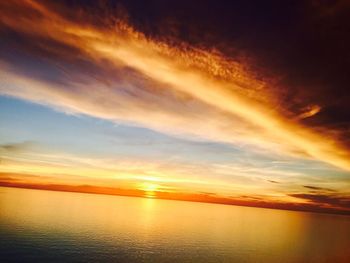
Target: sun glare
x=150, y=189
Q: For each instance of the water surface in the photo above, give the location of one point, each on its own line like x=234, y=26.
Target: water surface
x=47, y=226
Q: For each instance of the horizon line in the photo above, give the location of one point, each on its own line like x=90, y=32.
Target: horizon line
x=192, y=197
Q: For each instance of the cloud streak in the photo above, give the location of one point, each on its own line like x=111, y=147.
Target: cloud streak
x=16, y=147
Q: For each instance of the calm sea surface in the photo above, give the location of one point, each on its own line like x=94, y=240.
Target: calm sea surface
x=46, y=226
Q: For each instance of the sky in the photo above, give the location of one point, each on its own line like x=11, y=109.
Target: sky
x=233, y=102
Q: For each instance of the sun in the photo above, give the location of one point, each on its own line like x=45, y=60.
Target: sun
x=150, y=189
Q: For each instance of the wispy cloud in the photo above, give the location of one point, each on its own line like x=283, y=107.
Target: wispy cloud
x=317, y=188
x=17, y=147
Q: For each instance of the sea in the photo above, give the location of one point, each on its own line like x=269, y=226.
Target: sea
x=51, y=226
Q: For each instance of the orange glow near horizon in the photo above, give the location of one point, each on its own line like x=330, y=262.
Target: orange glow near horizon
x=151, y=191
x=170, y=120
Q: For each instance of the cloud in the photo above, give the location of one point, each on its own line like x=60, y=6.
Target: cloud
x=16, y=147
x=178, y=90
x=310, y=111
x=324, y=199
x=318, y=188
x=273, y=181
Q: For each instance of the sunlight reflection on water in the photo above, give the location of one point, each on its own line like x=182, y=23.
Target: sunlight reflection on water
x=56, y=226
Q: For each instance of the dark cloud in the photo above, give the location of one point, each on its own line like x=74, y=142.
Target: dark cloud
x=46, y=59
x=273, y=181
x=17, y=147
x=318, y=188
x=324, y=199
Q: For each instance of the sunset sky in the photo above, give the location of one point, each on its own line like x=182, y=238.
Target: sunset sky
x=234, y=103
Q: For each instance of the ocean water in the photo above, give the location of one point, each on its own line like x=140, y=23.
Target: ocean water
x=47, y=226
